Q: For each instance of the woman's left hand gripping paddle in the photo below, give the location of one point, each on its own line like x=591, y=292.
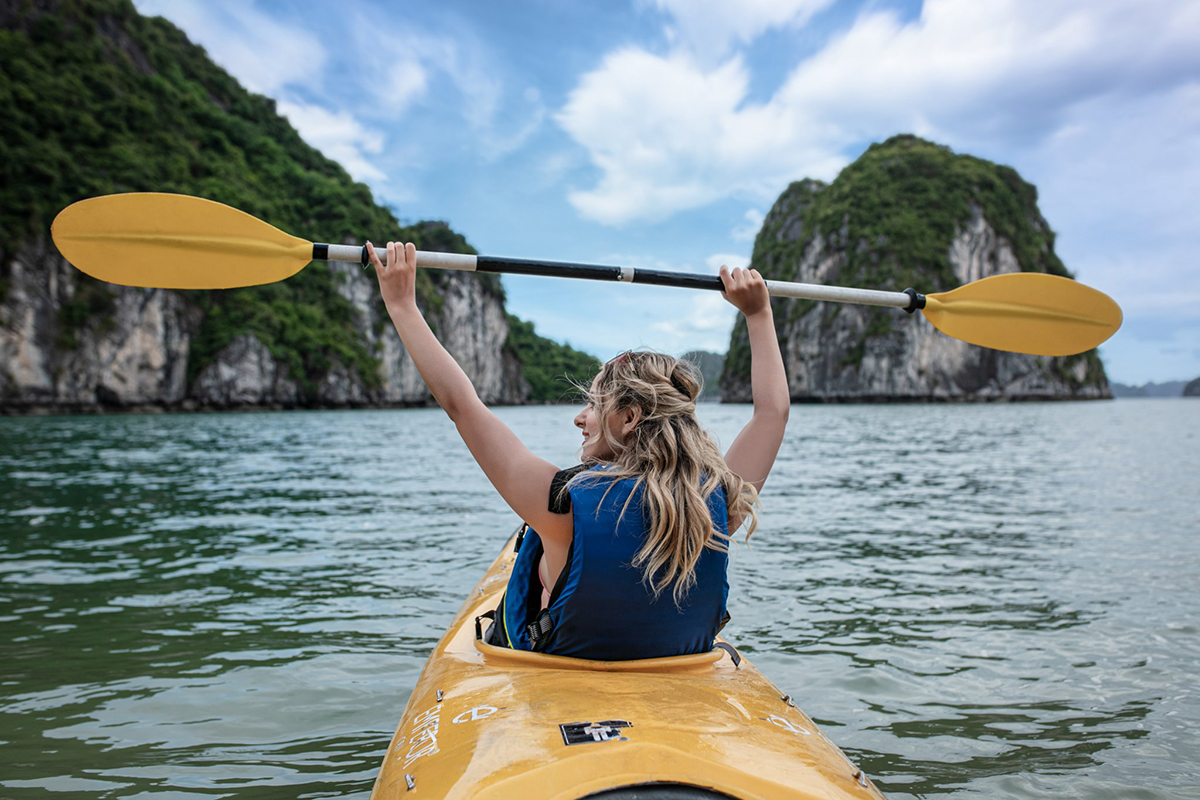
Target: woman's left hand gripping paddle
x=397, y=278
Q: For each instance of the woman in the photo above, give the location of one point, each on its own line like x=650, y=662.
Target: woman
x=651, y=508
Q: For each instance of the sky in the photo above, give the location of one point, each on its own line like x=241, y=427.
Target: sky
x=658, y=133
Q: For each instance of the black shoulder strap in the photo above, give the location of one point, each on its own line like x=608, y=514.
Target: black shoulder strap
x=560, y=498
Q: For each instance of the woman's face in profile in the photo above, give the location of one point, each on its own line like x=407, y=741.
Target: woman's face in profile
x=594, y=445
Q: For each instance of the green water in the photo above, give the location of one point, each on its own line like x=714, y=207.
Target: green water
x=980, y=600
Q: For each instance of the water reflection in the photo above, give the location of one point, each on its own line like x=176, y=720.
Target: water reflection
x=985, y=600
x=1011, y=739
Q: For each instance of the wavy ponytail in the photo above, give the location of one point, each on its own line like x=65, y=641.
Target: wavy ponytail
x=674, y=459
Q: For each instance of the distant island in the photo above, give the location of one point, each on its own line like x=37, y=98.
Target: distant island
x=906, y=213
x=711, y=365
x=1150, y=389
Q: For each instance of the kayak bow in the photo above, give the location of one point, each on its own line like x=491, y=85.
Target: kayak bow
x=488, y=722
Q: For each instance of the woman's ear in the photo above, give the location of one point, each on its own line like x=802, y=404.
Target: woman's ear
x=630, y=417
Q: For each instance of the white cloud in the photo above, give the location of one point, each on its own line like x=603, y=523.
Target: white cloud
x=993, y=69
x=1129, y=170
x=705, y=325
x=669, y=136
x=405, y=68
x=731, y=260
x=494, y=142
x=263, y=53
x=276, y=59
x=710, y=26
x=746, y=231
x=407, y=81
x=668, y=319
x=462, y=62
x=1120, y=190
x=550, y=167
x=416, y=60
x=668, y=133
x=339, y=136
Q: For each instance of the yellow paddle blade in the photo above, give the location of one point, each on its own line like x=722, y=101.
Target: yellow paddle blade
x=172, y=241
x=1026, y=312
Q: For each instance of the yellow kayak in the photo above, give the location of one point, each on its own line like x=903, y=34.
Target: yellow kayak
x=488, y=722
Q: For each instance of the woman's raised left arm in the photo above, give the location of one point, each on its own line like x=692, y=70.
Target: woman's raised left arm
x=753, y=452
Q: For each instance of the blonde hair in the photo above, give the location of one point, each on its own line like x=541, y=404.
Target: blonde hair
x=674, y=459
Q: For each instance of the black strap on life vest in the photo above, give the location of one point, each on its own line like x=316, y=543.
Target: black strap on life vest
x=560, y=498
x=494, y=636
x=560, y=503
x=539, y=630
x=542, y=626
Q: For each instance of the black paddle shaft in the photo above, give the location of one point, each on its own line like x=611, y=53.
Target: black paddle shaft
x=562, y=269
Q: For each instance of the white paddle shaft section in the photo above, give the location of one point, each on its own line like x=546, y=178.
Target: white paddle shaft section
x=446, y=260
x=347, y=252
x=353, y=253
x=838, y=294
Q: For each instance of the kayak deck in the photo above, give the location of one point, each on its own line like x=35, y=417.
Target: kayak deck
x=489, y=722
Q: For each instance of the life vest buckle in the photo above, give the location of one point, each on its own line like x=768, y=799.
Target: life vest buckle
x=539, y=630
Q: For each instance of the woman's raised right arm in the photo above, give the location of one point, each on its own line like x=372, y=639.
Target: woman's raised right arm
x=522, y=478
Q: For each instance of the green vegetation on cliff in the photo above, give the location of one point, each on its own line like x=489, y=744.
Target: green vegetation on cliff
x=893, y=213
x=896, y=210
x=551, y=369
x=96, y=99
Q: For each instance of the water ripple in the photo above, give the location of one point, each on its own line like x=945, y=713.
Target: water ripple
x=981, y=600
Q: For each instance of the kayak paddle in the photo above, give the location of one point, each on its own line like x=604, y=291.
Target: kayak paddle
x=173, y=241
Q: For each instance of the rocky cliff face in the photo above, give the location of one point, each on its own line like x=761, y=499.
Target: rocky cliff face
x=171, y=120
x=130, y=347
x=134, y=353
x=832, y=235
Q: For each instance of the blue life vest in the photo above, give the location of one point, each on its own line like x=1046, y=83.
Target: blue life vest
x=601, y=607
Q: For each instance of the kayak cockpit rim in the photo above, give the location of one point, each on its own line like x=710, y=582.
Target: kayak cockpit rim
x=526, y=658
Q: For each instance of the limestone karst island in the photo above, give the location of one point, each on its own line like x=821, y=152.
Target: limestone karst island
x=106, y=100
